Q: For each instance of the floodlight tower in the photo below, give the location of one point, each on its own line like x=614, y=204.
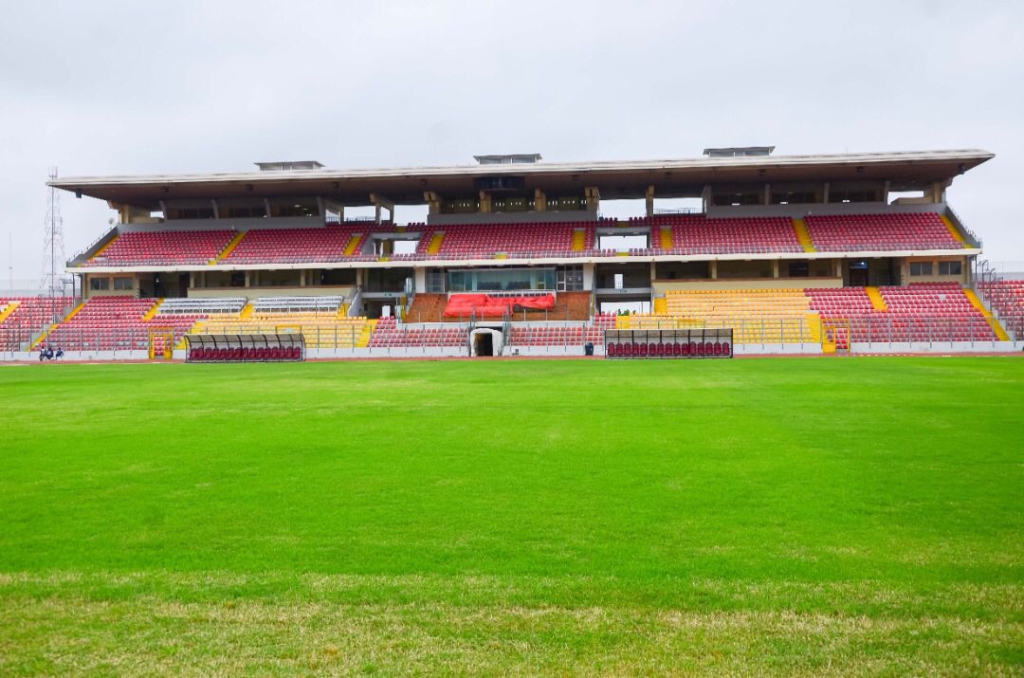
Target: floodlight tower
x=53, y=248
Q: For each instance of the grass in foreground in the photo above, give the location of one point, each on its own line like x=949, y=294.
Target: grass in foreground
x=859, y=516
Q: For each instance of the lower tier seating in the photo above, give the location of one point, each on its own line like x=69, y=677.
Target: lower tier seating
x=756, y=316
x=917, y=313
x=320, y=330
x=561, y=335
x=926, y=312
x=1006, y=297
x=22, y=317
x=388, y=335
x=115, y=324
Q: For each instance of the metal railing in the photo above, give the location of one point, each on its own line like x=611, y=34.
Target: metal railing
x=879, y=330
x=882, y=328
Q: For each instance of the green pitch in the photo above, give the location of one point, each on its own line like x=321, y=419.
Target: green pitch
x=833, y=516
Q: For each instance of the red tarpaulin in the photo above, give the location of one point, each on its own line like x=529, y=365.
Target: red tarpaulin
x=484, y=305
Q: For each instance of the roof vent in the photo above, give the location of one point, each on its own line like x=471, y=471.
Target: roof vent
x=510, y=159
x=288, y=165
x=739, y=151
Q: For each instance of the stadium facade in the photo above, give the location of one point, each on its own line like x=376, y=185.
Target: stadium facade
x=792, y=254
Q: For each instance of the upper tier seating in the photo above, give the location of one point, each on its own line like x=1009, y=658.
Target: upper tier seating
x=115, y=323
x=300, y=245
x=691, y=234
x=872, y=232
x=25, y=316
x=172, y=248
x=1006, y=297
x=697, y=234
x=490, y=241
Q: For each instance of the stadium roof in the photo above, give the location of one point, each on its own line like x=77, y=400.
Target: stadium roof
x=614, y=179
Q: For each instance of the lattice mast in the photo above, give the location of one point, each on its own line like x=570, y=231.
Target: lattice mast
x=53, y=249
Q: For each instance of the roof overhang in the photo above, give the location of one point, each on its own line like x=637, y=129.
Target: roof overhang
x=614, y=179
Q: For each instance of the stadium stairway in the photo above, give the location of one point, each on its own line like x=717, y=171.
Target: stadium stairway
x=154, y=310
x=954, y=231
x=8, y=310
x=993, y=322
x=99, y=253
x=427, y=308
x=667, y=241
x=803, y=235
x=579, y=239
x=877, y=301
x=46, y=332
x=436, y=241
x=228, y=249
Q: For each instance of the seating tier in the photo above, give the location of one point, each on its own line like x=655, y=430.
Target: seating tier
x=170, y=248
x=880, y=232
x=28, y=316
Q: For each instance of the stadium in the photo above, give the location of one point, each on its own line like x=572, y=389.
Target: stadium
x=511, y=339
x=768, y=254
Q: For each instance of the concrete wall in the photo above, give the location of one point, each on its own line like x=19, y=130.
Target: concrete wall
x=964, y=277
x=806, y=209
x=510, y=218
x=254, y=292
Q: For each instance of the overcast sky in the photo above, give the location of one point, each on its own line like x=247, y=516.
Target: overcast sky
x=128, y=87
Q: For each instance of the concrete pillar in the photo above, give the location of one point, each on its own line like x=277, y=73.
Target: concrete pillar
x=767, y=194
x=420, y=279
x=705, y=198
x=593, y=198
x=714, y=269
x=885, y=191
x=588, y=277
x=433, y=202
x=824, y=193
x=540, y=201
x=485, y=202
x=775, y=268
x=649, y=198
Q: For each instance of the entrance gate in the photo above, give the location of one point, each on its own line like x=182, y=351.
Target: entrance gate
x=161, y=343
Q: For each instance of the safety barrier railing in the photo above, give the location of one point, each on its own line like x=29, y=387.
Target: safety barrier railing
x=883, y=328
x=879, y=330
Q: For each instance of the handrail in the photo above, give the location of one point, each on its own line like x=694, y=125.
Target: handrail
x=95, y=243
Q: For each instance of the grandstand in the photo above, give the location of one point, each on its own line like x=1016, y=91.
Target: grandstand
x=804, y=254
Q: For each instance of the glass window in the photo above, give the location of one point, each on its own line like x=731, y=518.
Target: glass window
x=950, y=268
x=920, y=268
x=99, y=284
x=123, y=283
x=501, y=279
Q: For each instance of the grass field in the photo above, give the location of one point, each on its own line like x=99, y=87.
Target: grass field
x=844, y=516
